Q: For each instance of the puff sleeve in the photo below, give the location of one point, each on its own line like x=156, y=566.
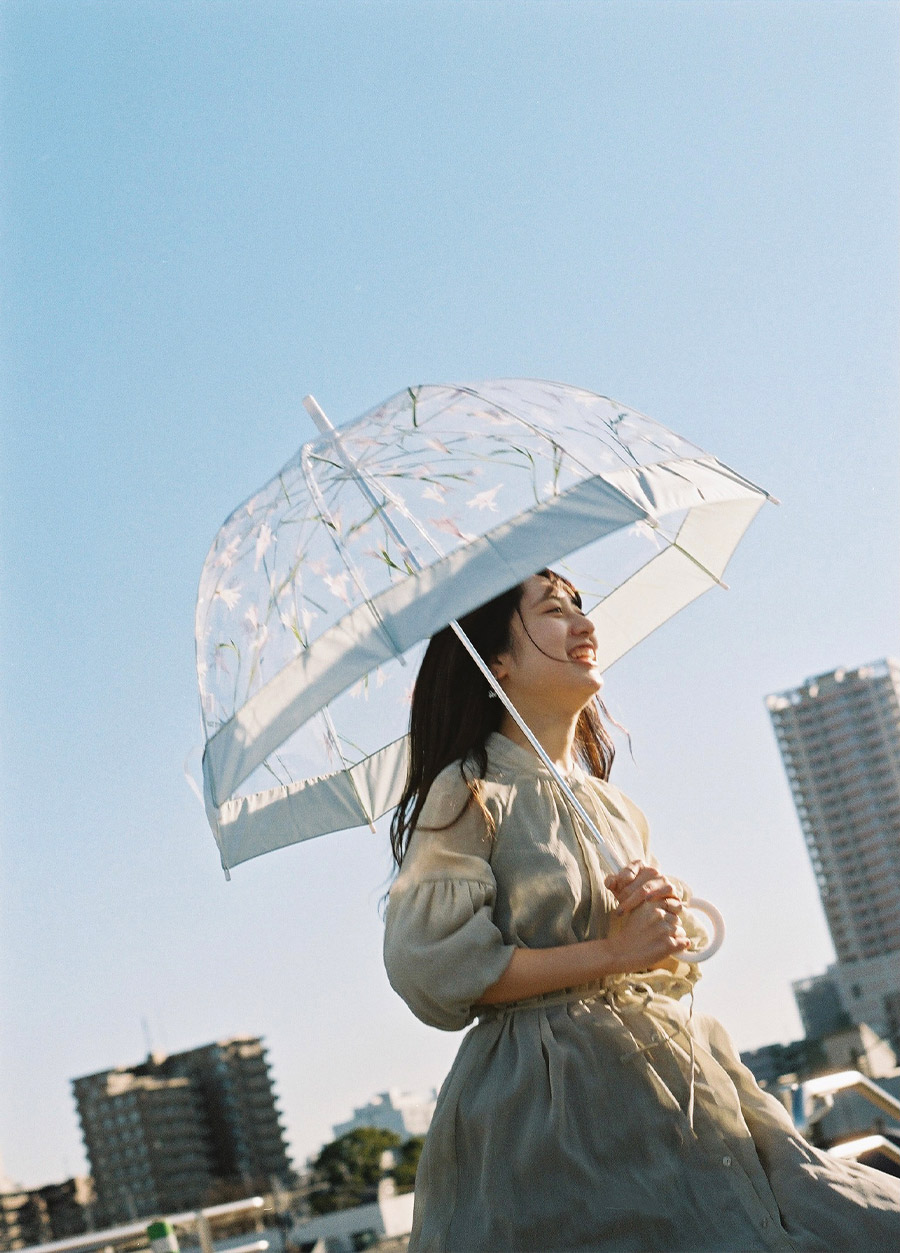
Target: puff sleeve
x=442, y=949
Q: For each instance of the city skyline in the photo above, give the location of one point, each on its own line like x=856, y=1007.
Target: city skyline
x=888, y=664
x=214, y=210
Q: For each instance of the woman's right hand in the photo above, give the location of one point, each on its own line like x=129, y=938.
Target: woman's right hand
x=648, y=936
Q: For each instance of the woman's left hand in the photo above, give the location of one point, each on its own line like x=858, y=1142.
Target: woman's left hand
x=637, y=883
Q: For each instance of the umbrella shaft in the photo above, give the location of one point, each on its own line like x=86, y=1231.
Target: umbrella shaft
x=612, y=862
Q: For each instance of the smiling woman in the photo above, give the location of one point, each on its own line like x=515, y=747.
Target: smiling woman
x=563, y=676
x=588, y=1109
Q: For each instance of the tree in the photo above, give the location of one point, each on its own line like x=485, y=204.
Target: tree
x=347, y=1171
x=405, y=1171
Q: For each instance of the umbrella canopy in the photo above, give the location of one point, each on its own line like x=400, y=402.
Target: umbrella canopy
x=319, y=591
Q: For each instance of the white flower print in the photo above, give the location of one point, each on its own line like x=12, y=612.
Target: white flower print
x=256, y=629
x=337, y=585
x=230, y=595
x=450, y=528
x=263, y=541
x=486, y=499
x=226, y=557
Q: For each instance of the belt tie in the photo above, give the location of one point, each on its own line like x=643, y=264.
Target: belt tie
x=615, y=994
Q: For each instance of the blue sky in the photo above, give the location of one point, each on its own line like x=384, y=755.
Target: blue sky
x=211, y=209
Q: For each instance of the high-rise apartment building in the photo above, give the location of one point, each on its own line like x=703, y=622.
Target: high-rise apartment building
x=147, y=1144
x=162, y=1134
x=839, y=736
x=245, y=1136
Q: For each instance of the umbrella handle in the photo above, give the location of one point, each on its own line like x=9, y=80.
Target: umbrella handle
x=718, y=926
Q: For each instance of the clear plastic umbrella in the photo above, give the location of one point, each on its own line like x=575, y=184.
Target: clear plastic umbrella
x=319, y=593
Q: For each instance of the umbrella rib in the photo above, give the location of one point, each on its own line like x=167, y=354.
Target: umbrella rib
x=699, y=564
x=344, y=555
x=336, y=744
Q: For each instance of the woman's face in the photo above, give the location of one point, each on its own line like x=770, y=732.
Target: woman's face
x=552, y=659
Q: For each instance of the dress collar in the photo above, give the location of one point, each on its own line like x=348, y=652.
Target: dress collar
x=503, y=754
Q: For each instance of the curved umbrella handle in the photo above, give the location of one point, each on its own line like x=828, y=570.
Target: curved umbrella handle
x=718, y=924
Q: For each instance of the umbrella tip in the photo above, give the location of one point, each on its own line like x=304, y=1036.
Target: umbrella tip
x=312, y=407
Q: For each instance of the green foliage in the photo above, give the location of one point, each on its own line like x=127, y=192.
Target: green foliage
x=405, y=1171
x=348, y=1169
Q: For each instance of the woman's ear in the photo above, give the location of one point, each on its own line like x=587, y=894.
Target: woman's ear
x=498, y=667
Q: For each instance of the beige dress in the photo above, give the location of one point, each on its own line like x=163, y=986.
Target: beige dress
x=570, y=1122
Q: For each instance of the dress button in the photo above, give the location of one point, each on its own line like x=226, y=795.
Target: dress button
x=765, y=1222
x=726, y=1161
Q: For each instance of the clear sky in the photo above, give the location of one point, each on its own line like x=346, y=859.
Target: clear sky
x=211, y=209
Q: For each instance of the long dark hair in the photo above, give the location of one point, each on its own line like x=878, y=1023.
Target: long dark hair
x=452, y=714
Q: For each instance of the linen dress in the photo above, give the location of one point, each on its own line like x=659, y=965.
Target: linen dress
x=569, y=1121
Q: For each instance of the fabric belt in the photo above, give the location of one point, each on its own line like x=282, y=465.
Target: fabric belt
x=585, y=992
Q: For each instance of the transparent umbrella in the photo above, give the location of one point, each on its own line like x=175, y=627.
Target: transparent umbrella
x=319, y=593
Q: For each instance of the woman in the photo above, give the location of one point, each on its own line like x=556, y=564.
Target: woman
x=588, y=1109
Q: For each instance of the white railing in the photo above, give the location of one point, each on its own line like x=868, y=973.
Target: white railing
x=866, y=1144
x=197, y=1219
x=812, y=1099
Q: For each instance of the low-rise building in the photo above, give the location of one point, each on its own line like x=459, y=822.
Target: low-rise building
x=849, y=1048
x=20, y=1220
x=348, y=1230
x=55, y=1211
x=773, y=1061
x=845, y=1114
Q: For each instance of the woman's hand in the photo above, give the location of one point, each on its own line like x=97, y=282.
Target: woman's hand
x=651, y=934
x=637, y=883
